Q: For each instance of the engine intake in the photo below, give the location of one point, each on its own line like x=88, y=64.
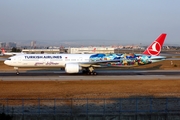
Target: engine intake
x=72, y=68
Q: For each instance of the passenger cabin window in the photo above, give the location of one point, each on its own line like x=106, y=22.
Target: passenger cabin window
x=73, y=59
x=86, y=59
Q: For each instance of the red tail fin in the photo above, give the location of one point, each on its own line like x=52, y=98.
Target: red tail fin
x=94, y=50
x=155, y=48
x=2, y=51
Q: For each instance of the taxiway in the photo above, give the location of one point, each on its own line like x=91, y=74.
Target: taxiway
x=55, y=75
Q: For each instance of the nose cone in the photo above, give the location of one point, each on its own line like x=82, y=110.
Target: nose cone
x=7, y=62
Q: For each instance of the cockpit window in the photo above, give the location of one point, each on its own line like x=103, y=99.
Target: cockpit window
x=9, y=59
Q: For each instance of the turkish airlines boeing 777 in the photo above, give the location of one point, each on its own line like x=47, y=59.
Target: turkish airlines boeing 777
x=75, y=63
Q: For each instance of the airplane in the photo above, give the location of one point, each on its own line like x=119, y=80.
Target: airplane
x=3, y=52
x=86, y=63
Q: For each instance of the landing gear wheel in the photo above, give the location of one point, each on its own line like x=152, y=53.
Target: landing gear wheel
x=89, y=71
x=17, y=72
x=94, y=73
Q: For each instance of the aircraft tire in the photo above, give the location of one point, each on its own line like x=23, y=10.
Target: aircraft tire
x=94, y=73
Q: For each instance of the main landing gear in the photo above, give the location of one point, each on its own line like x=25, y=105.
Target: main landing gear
x=17, y=72
x=92, y=73
x=89, y=71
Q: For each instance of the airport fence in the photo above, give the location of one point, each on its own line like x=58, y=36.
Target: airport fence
x=70, y=107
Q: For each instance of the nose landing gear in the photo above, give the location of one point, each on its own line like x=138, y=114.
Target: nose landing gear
x=17, y=72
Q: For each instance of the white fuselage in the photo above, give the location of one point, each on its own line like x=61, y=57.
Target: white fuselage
x=73, y=63
x=46, y=60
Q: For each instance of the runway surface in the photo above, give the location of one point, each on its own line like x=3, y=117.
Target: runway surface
x=54, y=75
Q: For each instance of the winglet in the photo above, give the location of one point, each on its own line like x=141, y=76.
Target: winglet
x=155, y=48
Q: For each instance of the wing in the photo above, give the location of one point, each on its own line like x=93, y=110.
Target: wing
x=96, y=63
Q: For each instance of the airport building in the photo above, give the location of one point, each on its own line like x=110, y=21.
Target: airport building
x=11, y=45
x=73, y=50
x=41, y=51
x=2, y=44
x=81, y=50
x=86, y=50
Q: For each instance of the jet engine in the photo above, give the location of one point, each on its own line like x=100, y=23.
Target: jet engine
x=72, y=68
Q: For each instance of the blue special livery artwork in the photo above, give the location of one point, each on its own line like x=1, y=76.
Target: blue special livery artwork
x=123, y=59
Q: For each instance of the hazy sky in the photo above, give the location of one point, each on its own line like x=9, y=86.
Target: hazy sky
x=91, y=22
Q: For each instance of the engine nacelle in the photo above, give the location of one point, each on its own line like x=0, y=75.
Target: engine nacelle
x=72, y=68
